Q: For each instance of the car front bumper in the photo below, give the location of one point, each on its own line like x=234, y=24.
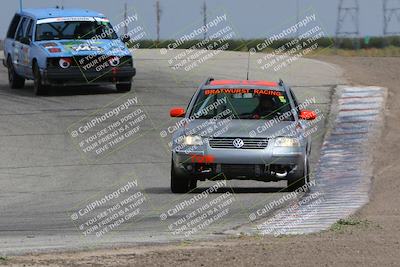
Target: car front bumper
x=247, y=164
x=78, y=76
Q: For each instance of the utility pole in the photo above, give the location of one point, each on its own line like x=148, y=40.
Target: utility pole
x=348, y=10
x=297, y=15
x=126, y=18
x=391, y=12
x=204, y=13
x=158, y=15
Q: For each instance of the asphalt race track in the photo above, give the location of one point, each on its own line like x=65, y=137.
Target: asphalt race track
x=44, y=179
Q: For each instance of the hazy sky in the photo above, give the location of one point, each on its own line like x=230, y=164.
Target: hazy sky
x=251, y=18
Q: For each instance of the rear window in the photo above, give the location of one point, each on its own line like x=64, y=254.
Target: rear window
x=29, y=30
x=13, y=26
x=21, y=29
x=241, y=104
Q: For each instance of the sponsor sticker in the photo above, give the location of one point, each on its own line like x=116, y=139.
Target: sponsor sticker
x=61, y=19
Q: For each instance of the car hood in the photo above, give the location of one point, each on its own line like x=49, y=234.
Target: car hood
x=85, y=47
x=240, y=128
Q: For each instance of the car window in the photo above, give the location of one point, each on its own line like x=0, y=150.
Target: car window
x=241, y=104
x=190, y=101
x=21, y=29
x=29, y=30
x=13, y=26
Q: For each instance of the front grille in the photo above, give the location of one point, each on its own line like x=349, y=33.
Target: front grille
x=242, y=170
x=249, y=142
x=238, y=168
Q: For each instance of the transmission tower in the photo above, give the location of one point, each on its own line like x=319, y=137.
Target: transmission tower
x=158, y=15
x=348, y=11
x=391, y=11
x=61, y=5
x=204, y=13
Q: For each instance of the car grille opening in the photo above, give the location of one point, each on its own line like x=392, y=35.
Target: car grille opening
x=248, y=142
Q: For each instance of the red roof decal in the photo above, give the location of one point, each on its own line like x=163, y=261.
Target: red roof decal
x=243, y=82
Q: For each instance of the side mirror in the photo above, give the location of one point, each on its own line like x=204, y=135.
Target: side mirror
x=177, y=112
x=25, y=40
x=307, y=115
x=125, y=38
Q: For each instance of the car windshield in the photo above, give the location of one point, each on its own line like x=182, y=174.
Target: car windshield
x=242, y=104
x=74, y=30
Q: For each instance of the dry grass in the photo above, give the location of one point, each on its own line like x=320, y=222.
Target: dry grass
x=390, y=51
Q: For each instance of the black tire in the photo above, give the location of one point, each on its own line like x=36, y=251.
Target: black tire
x=38, y=87
x=14, y=80
x=298, y=183
x=179, y=184
x=123, y=87
x=192, y=184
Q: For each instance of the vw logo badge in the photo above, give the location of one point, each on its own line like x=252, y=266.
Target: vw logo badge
x=238, y=143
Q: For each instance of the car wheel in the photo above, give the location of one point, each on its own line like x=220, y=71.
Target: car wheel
x=298, y=183
x=123, y=87
x=15, y=81
x=192, y=184
x=39, y=88
x=179, y=184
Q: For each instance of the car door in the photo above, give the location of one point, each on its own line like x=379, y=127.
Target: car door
x=9, y=42
x=25, y=53
x=18, y=47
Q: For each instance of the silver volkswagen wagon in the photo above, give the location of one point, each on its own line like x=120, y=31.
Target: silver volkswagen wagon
x=240, y=129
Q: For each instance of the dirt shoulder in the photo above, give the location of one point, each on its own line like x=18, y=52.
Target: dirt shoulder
x=372, y=240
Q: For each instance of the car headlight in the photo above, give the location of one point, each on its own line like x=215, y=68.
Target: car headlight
x=65, y=63
x=114, y=61
x=286, y=141
x=191, y=140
